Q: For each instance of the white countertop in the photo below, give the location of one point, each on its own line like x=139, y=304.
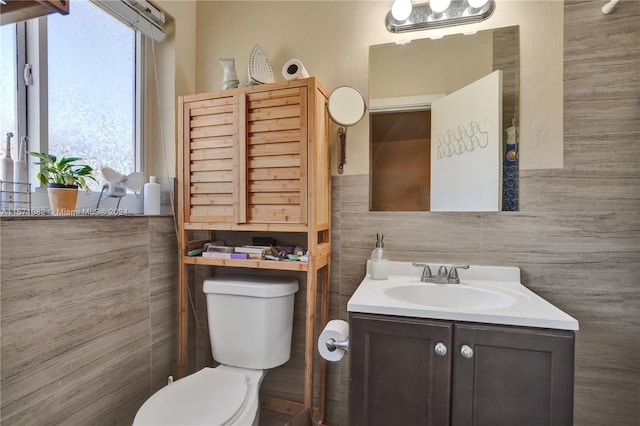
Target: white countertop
x=524, y=307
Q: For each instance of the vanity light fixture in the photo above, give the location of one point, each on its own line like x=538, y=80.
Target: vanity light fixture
x=439, y=6
x=440, y=13
x=477, y=4
x=401, y=9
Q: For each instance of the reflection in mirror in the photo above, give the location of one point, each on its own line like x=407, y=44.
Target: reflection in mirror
x=406, y=82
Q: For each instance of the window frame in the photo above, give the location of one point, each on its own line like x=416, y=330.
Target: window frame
x=32, y=109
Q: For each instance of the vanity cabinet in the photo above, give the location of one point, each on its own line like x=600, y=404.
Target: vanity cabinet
x=396, y=376
x=257, y=159
x=512, y=376
x=488, y=375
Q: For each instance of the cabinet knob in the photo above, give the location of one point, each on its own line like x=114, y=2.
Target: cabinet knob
x=466, y=351
x=440, y=349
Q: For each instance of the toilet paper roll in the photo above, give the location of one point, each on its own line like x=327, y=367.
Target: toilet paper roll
x=337, y=330
x=294, y=69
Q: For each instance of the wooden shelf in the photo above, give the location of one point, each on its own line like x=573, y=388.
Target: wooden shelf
x=322, y=258
x=248, y=263
x=270, y=227
x=21, y=10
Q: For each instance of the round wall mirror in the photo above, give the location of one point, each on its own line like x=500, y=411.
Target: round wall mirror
x=346, y=106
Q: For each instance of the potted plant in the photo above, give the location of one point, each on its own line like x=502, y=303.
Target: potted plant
x=63, y=178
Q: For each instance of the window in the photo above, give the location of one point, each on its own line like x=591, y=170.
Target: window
x=92, y=87
x=8, y=93
x=91, y=66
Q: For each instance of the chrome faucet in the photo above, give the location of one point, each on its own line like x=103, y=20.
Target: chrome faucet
x=443, y=276
x=453, y=278
x=426, y=276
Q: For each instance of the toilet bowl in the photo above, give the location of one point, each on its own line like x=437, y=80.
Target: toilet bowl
x=250, y=328
x=220, y=396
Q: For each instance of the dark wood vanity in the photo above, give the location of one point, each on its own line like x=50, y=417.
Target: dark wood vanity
x=415, y=371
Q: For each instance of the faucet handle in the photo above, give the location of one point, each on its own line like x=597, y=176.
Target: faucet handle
x=442, y=271
x=453, y=274
x=426, y=276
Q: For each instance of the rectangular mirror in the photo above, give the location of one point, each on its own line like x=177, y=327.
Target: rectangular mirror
x=444, y=117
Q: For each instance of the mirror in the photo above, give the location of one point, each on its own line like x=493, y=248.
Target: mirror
x=346, y=107
x=405, y=81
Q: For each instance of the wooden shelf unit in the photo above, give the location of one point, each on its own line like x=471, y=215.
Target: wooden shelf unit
x=21, y=10
x=257, y=159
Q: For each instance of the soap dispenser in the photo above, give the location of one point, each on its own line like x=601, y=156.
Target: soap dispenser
x=379, y=261
x=151, y=202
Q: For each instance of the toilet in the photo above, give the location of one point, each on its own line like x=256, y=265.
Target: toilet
x=250, y=326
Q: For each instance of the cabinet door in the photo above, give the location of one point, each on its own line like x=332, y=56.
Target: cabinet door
x=514, y=376
x=210, y=159
x=396, y=376
x=273, y=160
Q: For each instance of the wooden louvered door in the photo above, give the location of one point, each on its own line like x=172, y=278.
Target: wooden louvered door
x=272, y=184
x=248, y=157
x=211, y=171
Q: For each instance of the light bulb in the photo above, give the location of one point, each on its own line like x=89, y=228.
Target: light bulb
x=401, y=9
x=439, y=6
x=477, y=4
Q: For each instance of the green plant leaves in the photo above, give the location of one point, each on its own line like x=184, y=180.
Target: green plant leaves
x=63, y=171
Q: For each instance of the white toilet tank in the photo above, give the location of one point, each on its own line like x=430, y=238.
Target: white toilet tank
x=250, y=319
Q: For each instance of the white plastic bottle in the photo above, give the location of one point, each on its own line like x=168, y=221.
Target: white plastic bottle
x=6, y=175
x=379, y=261
x=152, y=196
x=21, y=177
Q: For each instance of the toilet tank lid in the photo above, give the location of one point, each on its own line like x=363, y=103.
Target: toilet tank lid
x=241, y=285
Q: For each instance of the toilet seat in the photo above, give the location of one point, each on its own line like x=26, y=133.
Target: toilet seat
x=212, y=396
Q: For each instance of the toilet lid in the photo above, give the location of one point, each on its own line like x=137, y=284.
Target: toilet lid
x=208, y=397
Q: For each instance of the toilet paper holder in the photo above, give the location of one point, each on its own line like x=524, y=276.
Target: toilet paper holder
x=333, y=344
x=335, y=335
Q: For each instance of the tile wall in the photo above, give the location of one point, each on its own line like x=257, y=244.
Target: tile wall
x=576, y=238
x=87, y=316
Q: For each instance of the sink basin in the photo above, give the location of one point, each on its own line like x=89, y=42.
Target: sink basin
x=486, y=294
x=449, y=296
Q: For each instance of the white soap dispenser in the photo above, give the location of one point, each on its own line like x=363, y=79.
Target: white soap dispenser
x=379, y=261
x=151, y=197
